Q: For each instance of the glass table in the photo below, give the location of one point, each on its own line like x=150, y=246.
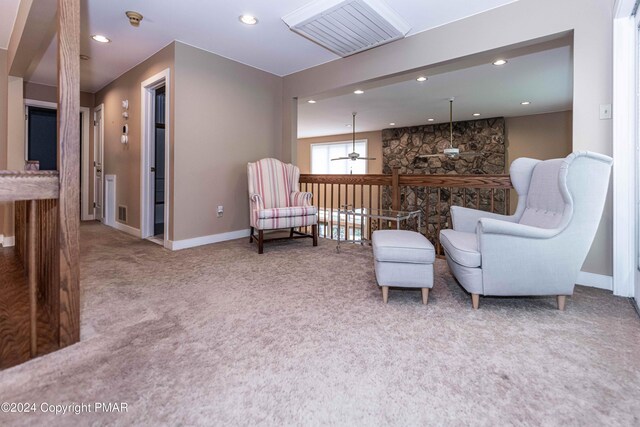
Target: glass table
x=381, y=214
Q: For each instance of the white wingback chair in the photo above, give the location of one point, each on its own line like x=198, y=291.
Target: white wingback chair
x=275, y=201
x=541, y=248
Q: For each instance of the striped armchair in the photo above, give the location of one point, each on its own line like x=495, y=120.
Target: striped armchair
x=275, y=201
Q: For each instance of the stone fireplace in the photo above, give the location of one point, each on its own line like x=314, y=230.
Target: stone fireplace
x=407, y=149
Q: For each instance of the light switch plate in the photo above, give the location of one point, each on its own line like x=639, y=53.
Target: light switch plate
x=605, y=111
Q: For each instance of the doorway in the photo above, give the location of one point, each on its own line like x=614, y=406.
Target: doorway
x=157, y=168
x=41, y=144
x=98, y=163
x=42, y=137
x=155, y=159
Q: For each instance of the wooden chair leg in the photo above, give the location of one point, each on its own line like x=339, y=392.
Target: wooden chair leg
x=251, y=236
x=425, y=295
x=385, y=294
x=314, y=230
x=260, y=241
x=291, y=233
x=475, y=301
x=562, y=299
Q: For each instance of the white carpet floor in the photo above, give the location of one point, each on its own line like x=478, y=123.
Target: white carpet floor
x=219, y=335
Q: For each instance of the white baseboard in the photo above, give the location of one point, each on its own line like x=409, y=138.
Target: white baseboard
x=176, y=245
x=595, y=280
x=7, y=241
x=127, y=229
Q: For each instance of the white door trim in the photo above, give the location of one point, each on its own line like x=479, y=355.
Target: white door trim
x=624, y=148
x=147, y=90
x=99, y=111
x=84, y=170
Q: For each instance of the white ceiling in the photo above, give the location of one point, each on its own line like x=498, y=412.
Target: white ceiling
x=8, y=12
x=213, y=25
x=544, y=78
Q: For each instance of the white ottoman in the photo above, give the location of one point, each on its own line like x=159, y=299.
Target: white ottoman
x=403, y=259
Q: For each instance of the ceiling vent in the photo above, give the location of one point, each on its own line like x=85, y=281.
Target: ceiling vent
x=346, y=27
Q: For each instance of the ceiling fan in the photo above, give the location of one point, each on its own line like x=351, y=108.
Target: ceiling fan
x=353, y=155
x=452, y=152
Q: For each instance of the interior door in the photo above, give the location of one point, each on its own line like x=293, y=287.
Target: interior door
x=98, y=172
x=158, y=169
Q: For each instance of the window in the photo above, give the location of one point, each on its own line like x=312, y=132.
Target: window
x=321, y=155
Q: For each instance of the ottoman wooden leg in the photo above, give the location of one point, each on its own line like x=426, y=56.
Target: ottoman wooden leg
x=561, y=299
x=425, y=295
x=385, y=294
x=475, y=301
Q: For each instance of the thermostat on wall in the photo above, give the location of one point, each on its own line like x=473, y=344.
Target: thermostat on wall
x=124, y=139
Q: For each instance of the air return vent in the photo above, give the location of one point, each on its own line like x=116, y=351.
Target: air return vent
x=346, y=27
x=122, y=214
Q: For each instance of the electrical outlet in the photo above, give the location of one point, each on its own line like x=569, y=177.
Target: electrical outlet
x=220, y=211
x=605, y=111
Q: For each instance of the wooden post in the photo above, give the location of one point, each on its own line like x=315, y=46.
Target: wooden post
x=395, y=189
x=68, y=167
x=32, y=273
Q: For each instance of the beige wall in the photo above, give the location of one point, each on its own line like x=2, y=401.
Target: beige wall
x=374, y=149
x=15, y=125
x=120, y=159
x=540, y=136
x=15, y=138
x=518, y=23
x=46, y=93
x=227, y=114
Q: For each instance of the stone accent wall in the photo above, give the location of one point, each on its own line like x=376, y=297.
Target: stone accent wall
x=407, y=148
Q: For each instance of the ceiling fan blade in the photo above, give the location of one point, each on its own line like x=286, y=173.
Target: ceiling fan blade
x=366, y=158
x=469, y=154
x=340, y=158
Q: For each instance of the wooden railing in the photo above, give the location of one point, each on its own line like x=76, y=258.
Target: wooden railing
x=35, y=194
x=432, y=195
x=40, y=286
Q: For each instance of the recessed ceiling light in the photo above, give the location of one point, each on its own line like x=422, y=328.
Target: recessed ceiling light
x=525, y=102
x=500, y=62
x=100, y=38
x=348, y=125
x=430, y=120
x=248, y=19
x=422, y=79
x=476, y=114
x=311, y=101
x=358, y=91
x=392, y=124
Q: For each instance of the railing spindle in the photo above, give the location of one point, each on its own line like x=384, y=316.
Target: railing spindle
x=32, y=269
x=369, y=221
x=439, y=221
x=427, y=211
x=331, y=217
x=493, y=195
